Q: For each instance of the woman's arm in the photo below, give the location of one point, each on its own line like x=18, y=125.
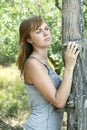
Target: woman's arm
x=38, y=75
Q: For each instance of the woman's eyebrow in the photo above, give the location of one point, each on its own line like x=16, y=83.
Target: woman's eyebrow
x=42, y=28
x=39, y=28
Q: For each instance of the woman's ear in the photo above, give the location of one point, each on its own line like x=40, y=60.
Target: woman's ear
x=29, y=40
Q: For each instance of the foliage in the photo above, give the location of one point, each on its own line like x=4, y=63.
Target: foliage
x=13, y=12
x=13, y=95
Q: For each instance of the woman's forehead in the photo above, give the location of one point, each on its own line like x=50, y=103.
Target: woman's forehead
x=43, y=24
x=36, y=27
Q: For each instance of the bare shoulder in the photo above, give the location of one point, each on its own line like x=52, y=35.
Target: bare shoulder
x=34, y=65
x=33, y=68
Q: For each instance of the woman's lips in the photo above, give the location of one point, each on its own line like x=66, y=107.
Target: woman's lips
x=47, y=39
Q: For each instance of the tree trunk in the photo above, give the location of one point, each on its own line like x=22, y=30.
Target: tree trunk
x=72, y=30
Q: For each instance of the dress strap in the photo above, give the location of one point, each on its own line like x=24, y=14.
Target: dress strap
x=40, y=62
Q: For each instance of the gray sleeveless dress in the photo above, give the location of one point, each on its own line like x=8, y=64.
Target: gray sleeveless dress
x=43, y=115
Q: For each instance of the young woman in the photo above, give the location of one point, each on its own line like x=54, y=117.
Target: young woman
x=45, y=89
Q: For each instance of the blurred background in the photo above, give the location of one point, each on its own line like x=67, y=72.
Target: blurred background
x=14, y=108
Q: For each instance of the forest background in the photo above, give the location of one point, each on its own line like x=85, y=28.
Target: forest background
x=13, y=100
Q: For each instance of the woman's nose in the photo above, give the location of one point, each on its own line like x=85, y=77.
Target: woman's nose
x=45, y=32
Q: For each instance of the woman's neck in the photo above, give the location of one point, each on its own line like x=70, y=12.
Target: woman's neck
x=41, y=55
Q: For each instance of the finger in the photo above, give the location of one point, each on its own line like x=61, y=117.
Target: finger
x=75, y=48
x=69, y=46
x=77, y=53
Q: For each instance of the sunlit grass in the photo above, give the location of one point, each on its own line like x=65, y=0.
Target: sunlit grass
x=9, y=73
x=13, y=98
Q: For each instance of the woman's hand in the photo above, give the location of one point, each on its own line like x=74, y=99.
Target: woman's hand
x=71, y=54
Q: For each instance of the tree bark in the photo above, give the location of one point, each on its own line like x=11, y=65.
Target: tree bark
x=72, y=30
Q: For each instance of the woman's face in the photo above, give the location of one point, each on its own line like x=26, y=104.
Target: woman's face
x=41, y=37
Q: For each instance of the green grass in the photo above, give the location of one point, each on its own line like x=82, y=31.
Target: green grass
x=13, y=96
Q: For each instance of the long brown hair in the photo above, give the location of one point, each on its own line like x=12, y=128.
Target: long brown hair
x=25, y=48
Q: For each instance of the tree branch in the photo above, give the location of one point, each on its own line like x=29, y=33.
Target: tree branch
x=57, y=5
x=85, y=3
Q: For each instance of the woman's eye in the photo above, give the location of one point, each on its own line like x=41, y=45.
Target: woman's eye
x=46, y=28
x=38, y=31
x=41, y=30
